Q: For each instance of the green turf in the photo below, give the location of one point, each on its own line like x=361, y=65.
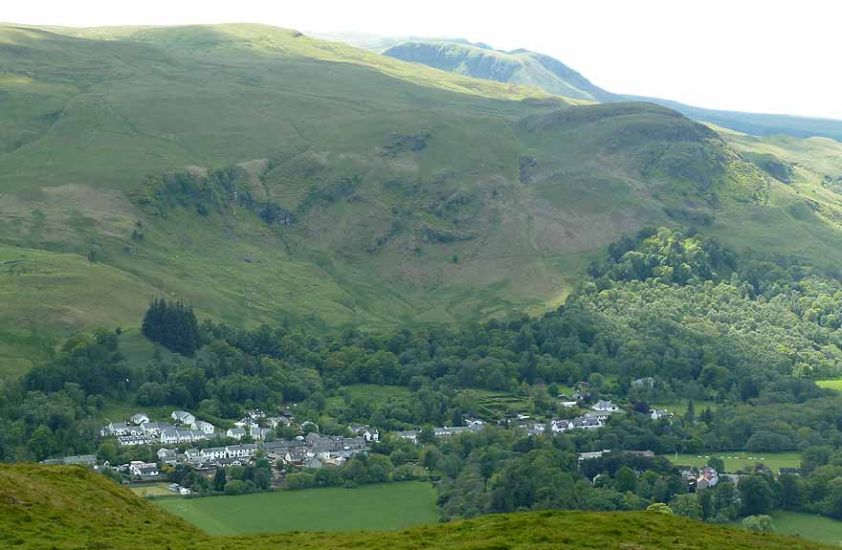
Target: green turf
x=737, y=460
x=147, y=490
x=835, y=385
x=679, y=407
x=809, y=526
x=367, y=508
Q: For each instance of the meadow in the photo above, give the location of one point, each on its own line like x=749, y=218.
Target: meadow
x=835, y=384
x=369, y=508
x=808, y=526
x=147, y=490
x=737, y=460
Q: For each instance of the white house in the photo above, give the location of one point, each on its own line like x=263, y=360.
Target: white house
x=275, y=421
x=241, y=451
x=169, y=436
x=409, y=435
x=236, y=433
x=474, y=424
x=261, y=433
x=193, y=455
x=183, y=417
x=155, y=428
x=143, y=469
x=167, y=456
x=116, y=429
x=204, y=427
x=214, y=453
x=139, y=418
x=558, y=426
x=447, y=432
x=605, y=406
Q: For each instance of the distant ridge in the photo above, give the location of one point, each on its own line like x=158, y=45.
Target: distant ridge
x=526, y=67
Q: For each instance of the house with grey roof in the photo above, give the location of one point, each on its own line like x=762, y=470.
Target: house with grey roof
x=139, y=418
x=236, y=433
x=167, y=456
x=183, y=417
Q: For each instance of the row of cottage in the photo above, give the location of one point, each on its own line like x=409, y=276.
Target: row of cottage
x=140, y=430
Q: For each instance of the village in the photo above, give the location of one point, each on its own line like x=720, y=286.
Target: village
x=184, y=440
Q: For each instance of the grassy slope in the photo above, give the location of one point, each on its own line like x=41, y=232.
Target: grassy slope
x=498, y=211
x=737, y=460
x=70, y=508
x=808, y=526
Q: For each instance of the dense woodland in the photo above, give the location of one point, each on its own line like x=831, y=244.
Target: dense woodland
x=750, y=334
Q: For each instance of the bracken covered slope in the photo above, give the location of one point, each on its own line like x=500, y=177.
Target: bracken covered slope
x=262, y=175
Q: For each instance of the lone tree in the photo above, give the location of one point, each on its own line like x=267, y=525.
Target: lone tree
x=173, y=325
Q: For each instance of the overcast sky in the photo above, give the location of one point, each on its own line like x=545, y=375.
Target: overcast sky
x=748, y=55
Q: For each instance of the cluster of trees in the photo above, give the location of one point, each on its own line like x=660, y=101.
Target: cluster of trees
x=172, y=325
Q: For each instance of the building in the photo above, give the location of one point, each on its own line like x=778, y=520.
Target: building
x=409, y=435
x=183, y=417
x=114, y=429
x=657, y=414
x=143, y=469
x=89, y=461
x=366, y=432
x=240, y=451
x=448, y=432
x=167, y=456
x=708, y=477
x=155, y=428
x=236, y=433
x=276, y=422
x=213, y=453
x=139, y=418
x=605, y=406
x=204, y=427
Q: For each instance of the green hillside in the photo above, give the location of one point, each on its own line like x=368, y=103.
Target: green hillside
x=263, y=175
x=71, y=508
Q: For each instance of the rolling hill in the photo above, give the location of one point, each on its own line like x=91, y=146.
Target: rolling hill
x=70, y=508
x=531, y=68
x=263, y=175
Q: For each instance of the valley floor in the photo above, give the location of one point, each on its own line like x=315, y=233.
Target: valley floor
x=367, y=508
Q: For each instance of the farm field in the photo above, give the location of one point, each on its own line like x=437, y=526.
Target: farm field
x=834, y=384
x=680, y=407
x=373, y=507
x=151, y=490
x=808, y=526
x=736, y=460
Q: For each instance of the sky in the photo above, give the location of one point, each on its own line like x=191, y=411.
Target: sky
x=746, y=55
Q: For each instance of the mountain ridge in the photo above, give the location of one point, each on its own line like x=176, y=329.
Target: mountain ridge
x=263, y=175
x=554, y=76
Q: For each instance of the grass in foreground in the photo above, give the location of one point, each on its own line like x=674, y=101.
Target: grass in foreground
x=737, y=460
x=70, y=508
x=369, y=508
x=809, y=526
